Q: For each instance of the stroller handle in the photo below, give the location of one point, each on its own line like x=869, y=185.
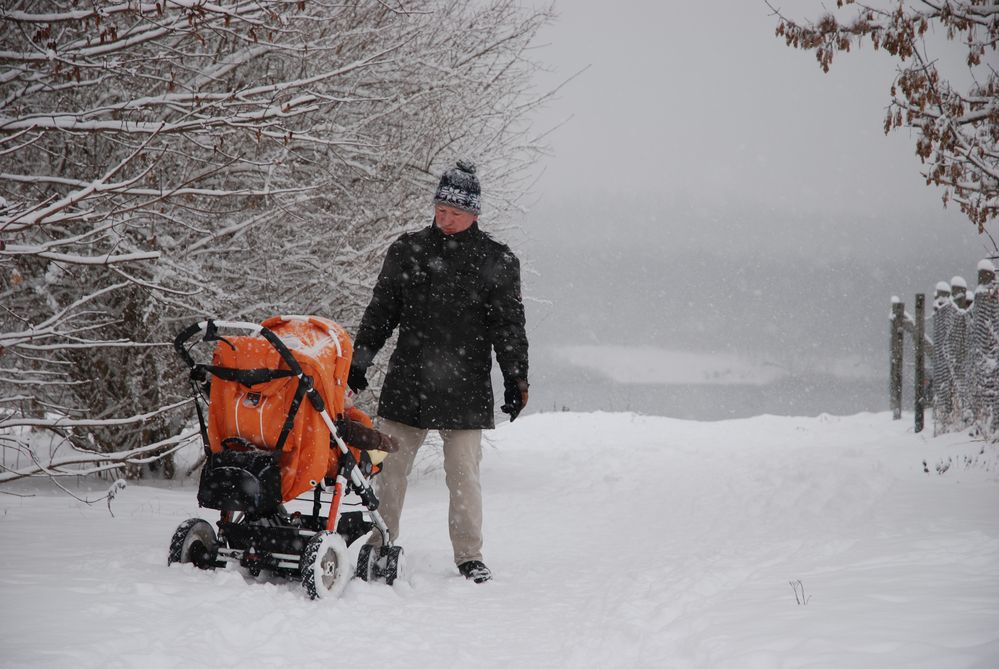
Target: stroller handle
x=211, y=327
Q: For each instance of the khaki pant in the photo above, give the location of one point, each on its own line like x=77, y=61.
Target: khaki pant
x=462, y=455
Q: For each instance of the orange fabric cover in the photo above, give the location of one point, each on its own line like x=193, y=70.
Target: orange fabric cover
x=257, y=414
x=358, y=416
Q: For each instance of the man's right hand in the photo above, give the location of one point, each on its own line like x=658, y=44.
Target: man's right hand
x=356, y=380
x=515, y=396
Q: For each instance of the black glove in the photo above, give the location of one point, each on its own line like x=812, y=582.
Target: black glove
x=514, y=394
x=356, y=380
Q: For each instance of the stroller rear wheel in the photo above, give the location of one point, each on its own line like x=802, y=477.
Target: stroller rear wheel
x=366, y=563
x=194, y=542
x=326, y=566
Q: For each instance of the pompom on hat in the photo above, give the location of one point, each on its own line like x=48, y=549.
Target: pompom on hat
x=459, y=188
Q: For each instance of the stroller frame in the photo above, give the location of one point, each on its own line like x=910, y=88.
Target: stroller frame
x=311, y=547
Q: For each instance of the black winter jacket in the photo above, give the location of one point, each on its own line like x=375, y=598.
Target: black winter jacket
x=454, y=299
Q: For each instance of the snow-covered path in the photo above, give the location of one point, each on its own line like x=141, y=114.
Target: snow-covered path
x=617, y=541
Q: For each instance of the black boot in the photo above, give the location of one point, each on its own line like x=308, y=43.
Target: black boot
x=475, y=570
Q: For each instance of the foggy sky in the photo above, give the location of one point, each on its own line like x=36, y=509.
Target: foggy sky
x=713, y=189
x=701, y=100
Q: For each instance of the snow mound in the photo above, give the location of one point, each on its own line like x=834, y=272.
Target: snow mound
x=617, y=540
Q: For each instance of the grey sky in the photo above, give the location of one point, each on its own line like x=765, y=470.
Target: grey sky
x=714, y=190
x=700, y=99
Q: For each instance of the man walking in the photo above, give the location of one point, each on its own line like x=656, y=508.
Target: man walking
x=454, y=294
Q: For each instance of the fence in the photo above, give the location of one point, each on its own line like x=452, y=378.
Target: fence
x=963, y=351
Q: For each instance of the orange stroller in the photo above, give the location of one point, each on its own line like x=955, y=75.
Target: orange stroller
x=278, y=429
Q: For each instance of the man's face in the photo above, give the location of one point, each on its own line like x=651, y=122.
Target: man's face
x=452, y=221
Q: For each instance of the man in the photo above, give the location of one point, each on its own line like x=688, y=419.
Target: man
x=454, y=294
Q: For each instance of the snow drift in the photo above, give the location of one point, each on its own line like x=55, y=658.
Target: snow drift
x=617, y=540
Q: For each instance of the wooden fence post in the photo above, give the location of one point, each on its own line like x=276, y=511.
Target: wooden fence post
x=919, y=346
x=895, y=378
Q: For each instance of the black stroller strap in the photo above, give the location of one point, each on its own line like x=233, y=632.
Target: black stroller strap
x=201, y=417
x=248, y=377
x=304, y=384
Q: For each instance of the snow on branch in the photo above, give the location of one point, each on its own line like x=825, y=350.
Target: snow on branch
x=75, y=259
x=206, y=192
x=167, y=161
x=84, y=463
x=49, y=327
x=62, y=421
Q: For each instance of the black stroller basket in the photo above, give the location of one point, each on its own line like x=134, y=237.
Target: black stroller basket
x=241, y=478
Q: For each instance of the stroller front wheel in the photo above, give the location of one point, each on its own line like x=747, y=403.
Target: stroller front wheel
x=366, y=563
x=326, y=566
x=194, y=541
x=395, y=565
x=386, y=564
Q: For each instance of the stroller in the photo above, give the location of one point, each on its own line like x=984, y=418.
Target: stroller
x=278, y=429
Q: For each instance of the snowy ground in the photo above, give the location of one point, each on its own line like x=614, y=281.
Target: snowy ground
x=617, y=541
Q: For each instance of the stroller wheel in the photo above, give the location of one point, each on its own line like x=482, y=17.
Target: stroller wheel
x=395, y=564
x=365, y=563
x=194, y=542
x=326, y=566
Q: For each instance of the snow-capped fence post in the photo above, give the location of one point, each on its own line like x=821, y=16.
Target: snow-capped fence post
x=919, y=344
x=956, y=347
x=895, y=378
x=902, y=323
x=943, y=400
x=984, y=348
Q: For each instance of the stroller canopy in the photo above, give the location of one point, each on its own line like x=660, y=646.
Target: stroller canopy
x=257, y=413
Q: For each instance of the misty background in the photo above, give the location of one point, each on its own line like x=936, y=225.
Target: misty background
x=721, y=226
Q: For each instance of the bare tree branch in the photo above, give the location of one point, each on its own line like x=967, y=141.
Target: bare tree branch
x=957, y=132
x=173, y=160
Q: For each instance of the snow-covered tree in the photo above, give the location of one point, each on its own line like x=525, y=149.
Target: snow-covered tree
x=168, y=160
x=956, y=125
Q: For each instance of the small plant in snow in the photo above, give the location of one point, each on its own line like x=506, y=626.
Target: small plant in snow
x=799, y=592
x=118, y=486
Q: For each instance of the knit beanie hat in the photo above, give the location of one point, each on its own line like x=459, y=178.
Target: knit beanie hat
x=459, y=188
